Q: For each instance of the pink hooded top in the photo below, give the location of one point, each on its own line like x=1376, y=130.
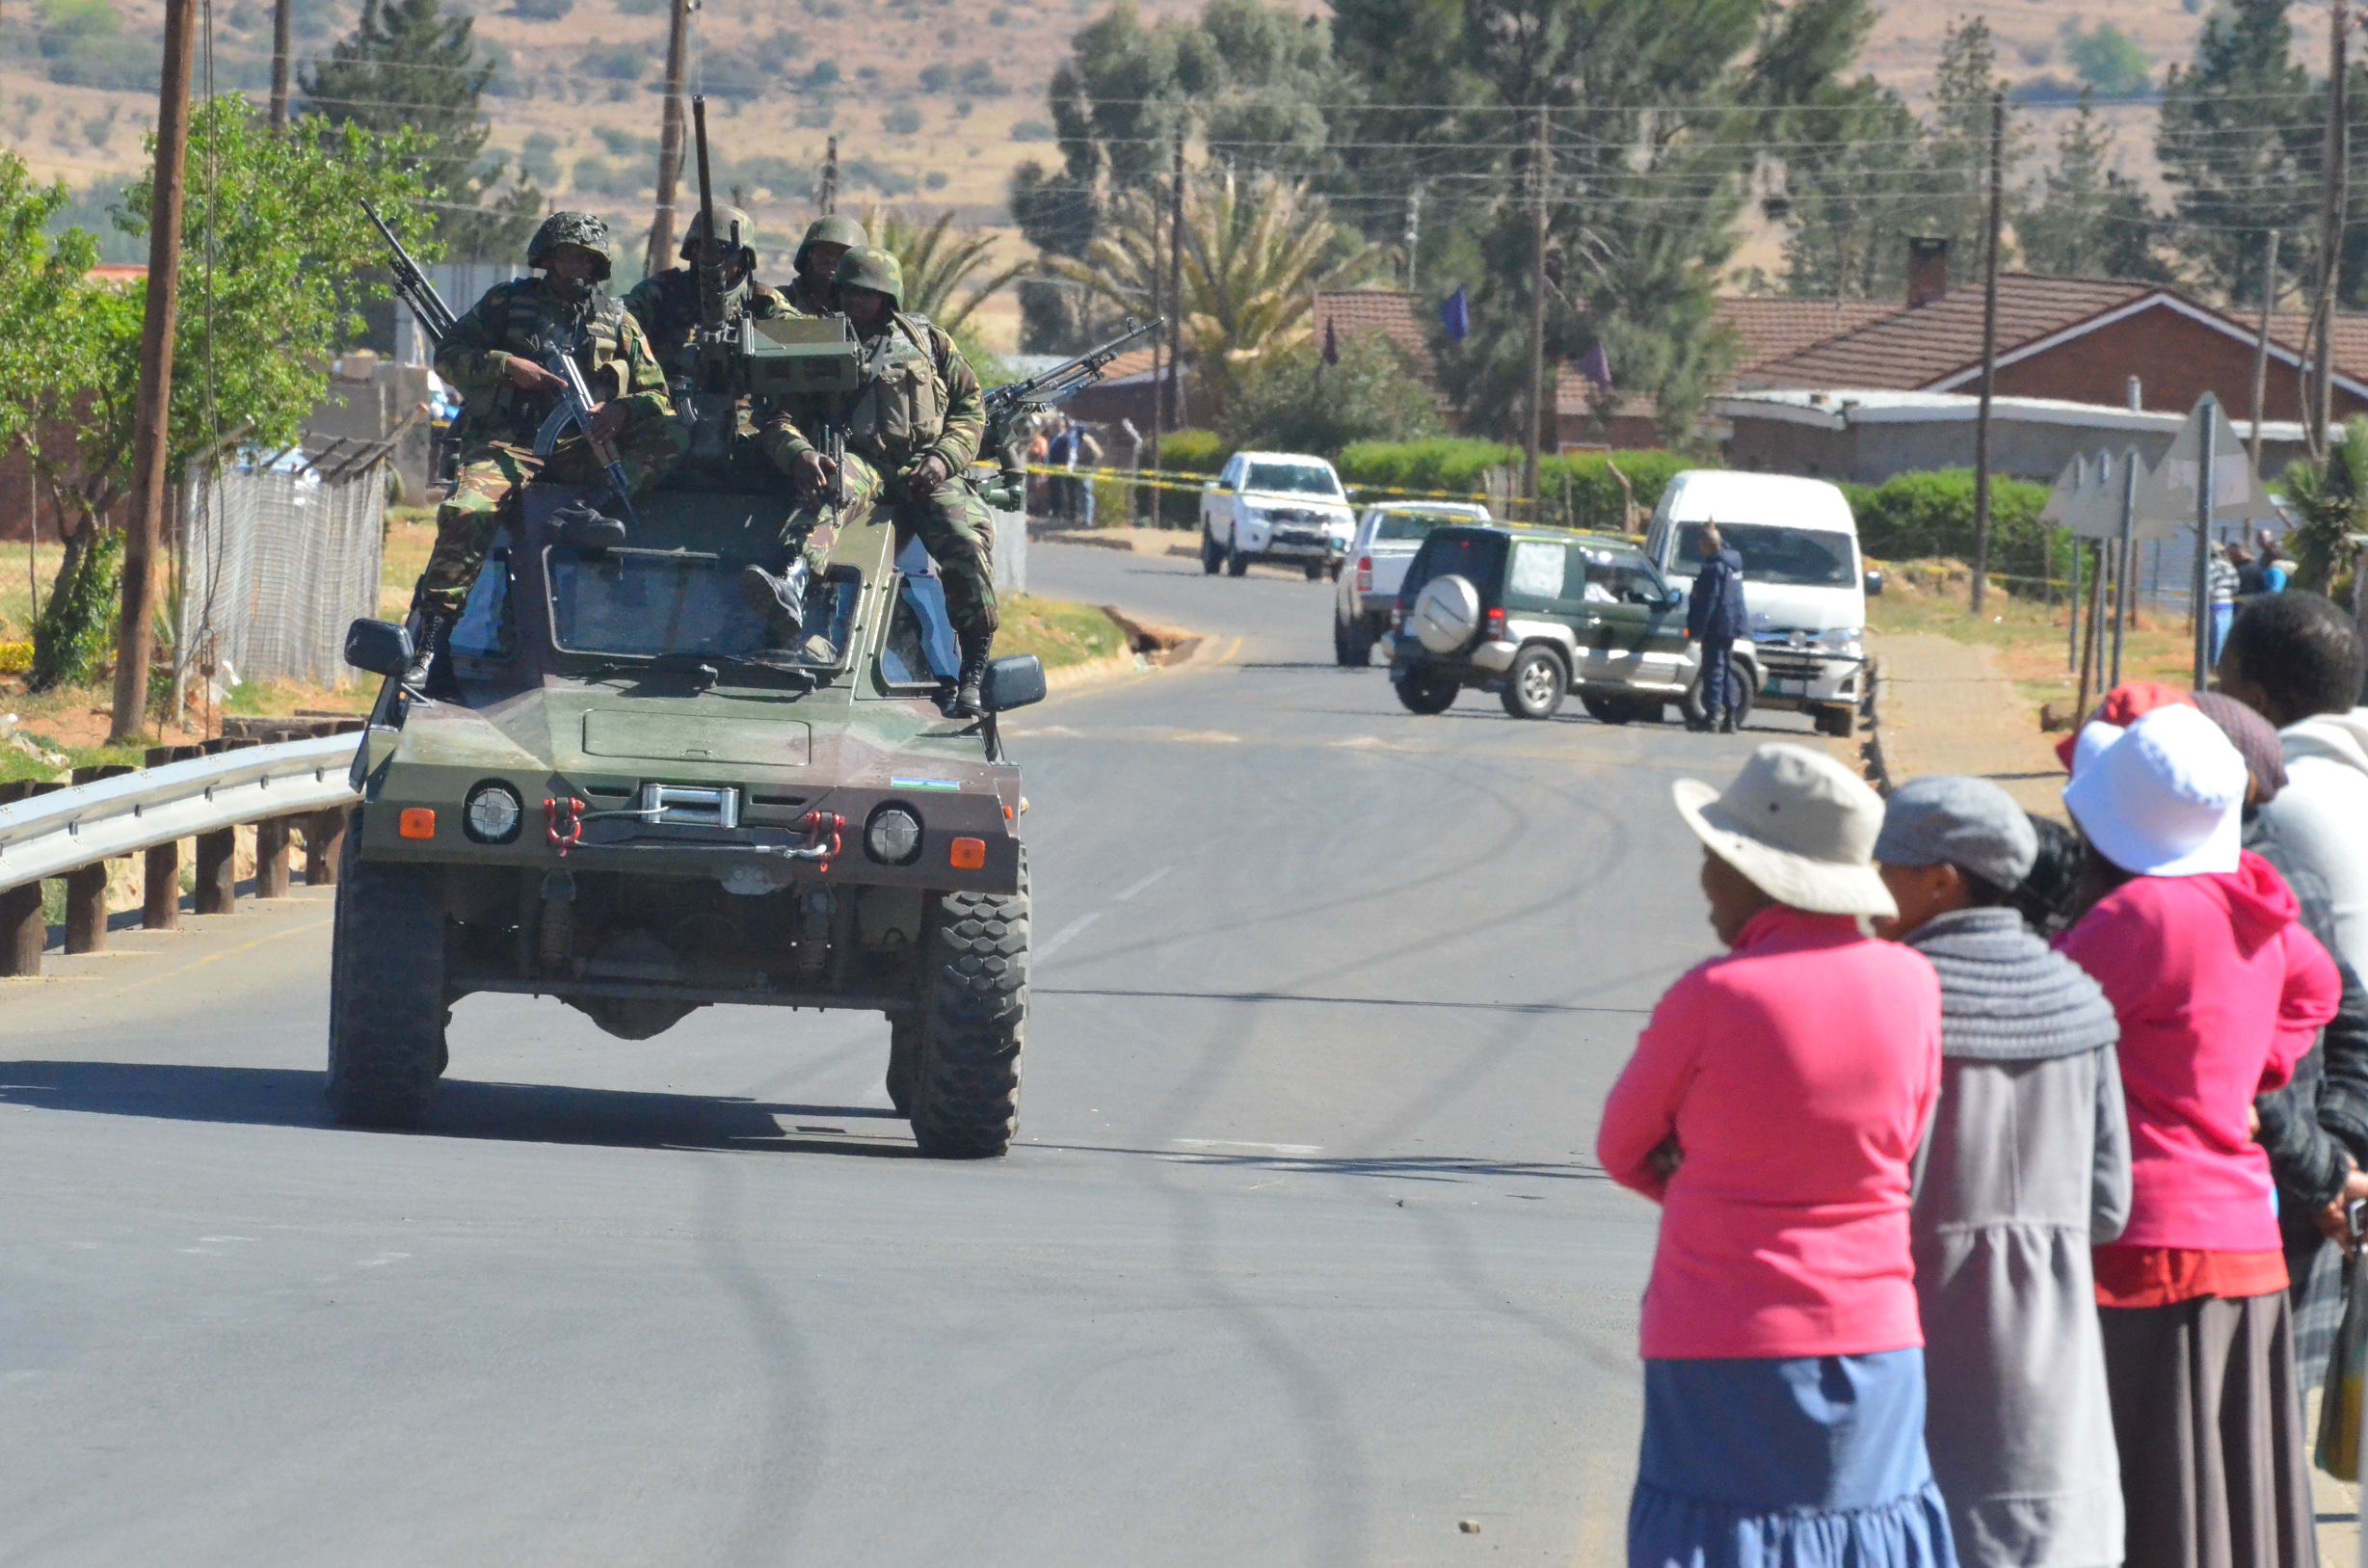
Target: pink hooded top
x=1797, y=1074
x=2220, y=992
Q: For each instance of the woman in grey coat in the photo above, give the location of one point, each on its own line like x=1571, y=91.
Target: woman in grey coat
x=2026, y=1166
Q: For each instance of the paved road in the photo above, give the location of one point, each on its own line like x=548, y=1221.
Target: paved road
x=1303, y=1257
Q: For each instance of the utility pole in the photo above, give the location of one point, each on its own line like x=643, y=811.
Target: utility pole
x=1159, y=352
x=670, y=143
x=1174, y=403
x=152, y=419
x=1990, y=352
x=2261, y=341
x=1413, y=232
x=2319, y=393
x=1537, y=314
x=279, y=64
x=830, y=178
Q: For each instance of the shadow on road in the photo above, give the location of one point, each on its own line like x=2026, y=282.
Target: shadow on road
x=1402, y=1167
x=462, y=1109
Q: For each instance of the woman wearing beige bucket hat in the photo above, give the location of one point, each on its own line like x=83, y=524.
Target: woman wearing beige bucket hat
x=1773, y=1109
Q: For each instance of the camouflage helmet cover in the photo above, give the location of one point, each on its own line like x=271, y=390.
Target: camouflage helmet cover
x=868, y=267
x=831, y=231
x=585, y=231
x=727, y=219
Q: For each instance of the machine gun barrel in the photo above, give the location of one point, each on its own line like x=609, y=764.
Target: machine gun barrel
x=412, y=286
x=1054, y=384
x=574, y=408
x=709, y=261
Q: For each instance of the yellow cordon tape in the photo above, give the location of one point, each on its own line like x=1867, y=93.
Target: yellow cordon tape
x=1179, y=480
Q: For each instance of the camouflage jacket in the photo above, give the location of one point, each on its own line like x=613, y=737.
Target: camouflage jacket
x=518, y=319
x=919, y=398
x=805, y=300
x=667, y=306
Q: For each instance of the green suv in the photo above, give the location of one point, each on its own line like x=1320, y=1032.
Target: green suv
x=1534, y=614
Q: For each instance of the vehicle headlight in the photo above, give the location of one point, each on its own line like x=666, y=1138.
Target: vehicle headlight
x=892, y=836
x=1845, y=640
x=493, y=813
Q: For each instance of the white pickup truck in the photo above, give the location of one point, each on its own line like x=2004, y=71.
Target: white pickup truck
x=1383, y=549
x=1275, y=506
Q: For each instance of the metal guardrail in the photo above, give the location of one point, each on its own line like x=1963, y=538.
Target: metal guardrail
x=73, y=832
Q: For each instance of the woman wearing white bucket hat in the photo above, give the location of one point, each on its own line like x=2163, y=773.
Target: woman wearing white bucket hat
x=1773, y=1108
x=2219, y=991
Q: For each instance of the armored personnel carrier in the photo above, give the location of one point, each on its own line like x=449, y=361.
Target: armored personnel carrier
x=636, y=792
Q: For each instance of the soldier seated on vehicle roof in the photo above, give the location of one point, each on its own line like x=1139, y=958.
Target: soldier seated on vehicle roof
x=495, y=356
x=667, y=303
x=806, y=535
x=813, y=292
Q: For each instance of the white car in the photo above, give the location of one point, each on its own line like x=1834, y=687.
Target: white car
x=1386, y=540
x=1275, y=506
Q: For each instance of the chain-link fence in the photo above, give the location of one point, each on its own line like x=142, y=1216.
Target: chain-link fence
x=277, y=557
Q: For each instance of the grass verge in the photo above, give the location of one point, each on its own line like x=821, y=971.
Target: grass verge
x=1057, y=631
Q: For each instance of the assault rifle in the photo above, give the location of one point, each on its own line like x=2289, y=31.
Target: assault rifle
x=1007, y=404
x=574, y=408
x=412, y=286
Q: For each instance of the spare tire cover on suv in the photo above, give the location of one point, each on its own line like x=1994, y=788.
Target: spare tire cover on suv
x=1447, y=614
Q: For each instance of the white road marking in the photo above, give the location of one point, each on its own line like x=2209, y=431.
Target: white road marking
x=1061, y=937
x=1291, y=1149
x=381, y=1260
x=1143, y=884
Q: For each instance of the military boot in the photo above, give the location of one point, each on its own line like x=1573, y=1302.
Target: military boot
x=970, y=700
x=431, y=629
x=780, y=600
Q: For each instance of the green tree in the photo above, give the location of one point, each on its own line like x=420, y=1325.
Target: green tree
x=2332, y=499
x=1291, y=399
x=272, y=231
x=2108, y=60
x=408, y=66
x=2083, y=216
x=1957, y=208
x=1856, y=173
x=2238, y=139
x=949, y=272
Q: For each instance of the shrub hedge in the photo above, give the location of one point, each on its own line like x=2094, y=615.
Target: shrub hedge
x=1916, y=516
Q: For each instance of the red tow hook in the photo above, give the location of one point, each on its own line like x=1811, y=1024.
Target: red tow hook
x=816, y=825
x=563, y=823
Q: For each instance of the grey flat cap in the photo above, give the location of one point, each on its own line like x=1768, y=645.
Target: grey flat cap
x=1968, y=823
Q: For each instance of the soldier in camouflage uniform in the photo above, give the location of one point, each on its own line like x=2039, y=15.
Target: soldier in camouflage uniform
x=827, y=242
x=917, y=418
x=495, y=356
x=667, y=303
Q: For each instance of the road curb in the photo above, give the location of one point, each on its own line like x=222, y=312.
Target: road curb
x=1878, y=764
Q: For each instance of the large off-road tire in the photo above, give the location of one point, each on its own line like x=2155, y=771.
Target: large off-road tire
x=387, y=1008
x=1237, y=564
x=905, y=1035
x=965, y=1099
x=1352, y=643
x=1211, y=556
x=1315, y=571
x=1425, y=694
x=1534, y=685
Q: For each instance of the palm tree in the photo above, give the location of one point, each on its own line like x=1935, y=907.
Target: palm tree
x=941, y=261
x=1256, y=252
x=2330, y=497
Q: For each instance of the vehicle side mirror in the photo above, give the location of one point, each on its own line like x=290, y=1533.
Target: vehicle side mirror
x=1874, y=585
x=379, y=647
x=1014, y=680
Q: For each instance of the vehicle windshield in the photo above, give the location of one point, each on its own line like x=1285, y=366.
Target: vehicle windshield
x=1411, y=525
x=647, y=603
x=1291, y=479
x=1772, y=553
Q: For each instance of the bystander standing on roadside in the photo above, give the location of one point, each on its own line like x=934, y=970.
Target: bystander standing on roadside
x=2024, y=1167
x=1084, y=453
x=2219, y=992
x=2250, y=584
x=1714, y=618
x=2219, y=593
x=1783, y=1371
x=2274, y=572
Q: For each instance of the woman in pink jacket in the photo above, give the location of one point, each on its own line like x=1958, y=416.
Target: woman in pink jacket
x=1773, y=1109
x=2219, y=992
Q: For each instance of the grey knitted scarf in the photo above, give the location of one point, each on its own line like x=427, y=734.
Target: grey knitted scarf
x=2005, y=995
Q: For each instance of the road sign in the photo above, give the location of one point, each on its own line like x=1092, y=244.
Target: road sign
x=2090, y=494
x=2171, y=497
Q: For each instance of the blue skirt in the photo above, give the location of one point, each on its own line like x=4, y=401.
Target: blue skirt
x=1811, y=1463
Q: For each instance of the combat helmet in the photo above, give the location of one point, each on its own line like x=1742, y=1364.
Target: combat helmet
x=869, y=267
x=727, y=219
x=831, y=231
x=585, y=231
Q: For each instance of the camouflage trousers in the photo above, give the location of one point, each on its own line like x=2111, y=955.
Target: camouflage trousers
x=494, y=476
x=954, y=527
